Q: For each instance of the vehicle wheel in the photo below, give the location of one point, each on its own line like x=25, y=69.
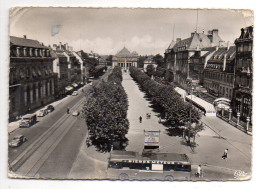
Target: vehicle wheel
x=169, y=178
x=123, y=176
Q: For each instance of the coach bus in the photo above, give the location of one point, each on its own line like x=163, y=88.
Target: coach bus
x=129, y=165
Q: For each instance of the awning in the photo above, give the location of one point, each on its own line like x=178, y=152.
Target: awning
x=68, y=88
x=182, y=92
x=207, y=107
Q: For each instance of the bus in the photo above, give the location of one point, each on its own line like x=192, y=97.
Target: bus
x=130, y=165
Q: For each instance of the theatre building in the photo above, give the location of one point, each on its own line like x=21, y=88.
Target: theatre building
x=31, y=77
x=125, y=59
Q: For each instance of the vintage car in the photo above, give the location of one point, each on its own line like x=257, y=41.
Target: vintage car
x=76, y=113
x=17, y=141
x=75, y=93
x=50, y=108
x=42, y=113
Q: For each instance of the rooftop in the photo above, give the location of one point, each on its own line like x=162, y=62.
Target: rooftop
x=24, y=42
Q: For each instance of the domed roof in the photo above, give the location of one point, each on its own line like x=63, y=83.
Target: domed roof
x=126, y=53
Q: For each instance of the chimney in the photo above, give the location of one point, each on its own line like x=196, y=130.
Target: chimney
x=228, y=45
x=60, y=46
x=214, y=31
x=24, y=36
x=178, y=40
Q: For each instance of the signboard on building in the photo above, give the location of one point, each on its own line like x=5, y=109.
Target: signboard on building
x=151, y=139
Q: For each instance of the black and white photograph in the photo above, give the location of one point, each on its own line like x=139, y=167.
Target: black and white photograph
x=159, y=94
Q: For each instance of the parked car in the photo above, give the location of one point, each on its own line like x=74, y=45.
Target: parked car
x=75, y=113
x=28, y=120
x=75, y=93
x=42, y=113
x=50, y=108
x=17, y=141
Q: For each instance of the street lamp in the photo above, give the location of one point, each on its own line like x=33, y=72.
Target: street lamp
x=238, y=118
x=247, y=124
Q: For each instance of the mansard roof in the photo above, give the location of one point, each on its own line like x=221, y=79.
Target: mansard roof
x=23, y=42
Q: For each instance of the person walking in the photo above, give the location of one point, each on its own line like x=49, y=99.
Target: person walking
x=68, y=110
x=225, y=154
x=140, y=119
x=199, y=171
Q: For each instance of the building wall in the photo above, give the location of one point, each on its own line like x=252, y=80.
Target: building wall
x=31, y=83
x=242, y=98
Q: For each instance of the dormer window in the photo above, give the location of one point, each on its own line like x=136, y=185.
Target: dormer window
x=24, y=52
x=18, y=53
x=36, y=52
x=40, y=52
x=30, y=52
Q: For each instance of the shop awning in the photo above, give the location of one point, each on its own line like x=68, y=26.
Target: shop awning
x=182, y=92
x=207, y=107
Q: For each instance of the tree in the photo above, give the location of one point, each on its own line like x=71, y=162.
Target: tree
x=140, y=61
x=158, y=59
x=150, y=70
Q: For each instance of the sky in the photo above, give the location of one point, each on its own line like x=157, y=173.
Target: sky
x=108, y=30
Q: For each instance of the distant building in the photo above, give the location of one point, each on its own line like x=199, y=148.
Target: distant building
x=74, y=64
x=219, y=72
x=242, y=98
x=60, y=67
x=125, y=59
x=149, y=61
x=31, y=77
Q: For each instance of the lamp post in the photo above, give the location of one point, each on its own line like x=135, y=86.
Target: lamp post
x=238, y=118
x=247, y=123
x=230, y=113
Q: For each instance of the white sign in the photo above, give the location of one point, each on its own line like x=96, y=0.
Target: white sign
x=151, y=138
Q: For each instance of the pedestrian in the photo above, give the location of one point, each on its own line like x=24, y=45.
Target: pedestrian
x=140, y=119
x=199, y=171
x=225, y=154
x=68, y=110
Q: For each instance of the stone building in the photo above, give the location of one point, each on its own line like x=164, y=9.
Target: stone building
x=125, y=59
x=242, y=98
x=149, y=61
x=178, y=55
x=31, y=77
x=219, y=72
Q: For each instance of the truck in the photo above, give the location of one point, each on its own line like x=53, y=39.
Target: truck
x=28, y=120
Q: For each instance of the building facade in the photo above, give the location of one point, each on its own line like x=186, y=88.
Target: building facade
x=178, y=56
x=242, y=98
x=125, y=59
x=31, y=77
x=219, y=72
x=149, y=61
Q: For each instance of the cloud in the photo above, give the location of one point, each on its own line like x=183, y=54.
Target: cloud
x=145, y=44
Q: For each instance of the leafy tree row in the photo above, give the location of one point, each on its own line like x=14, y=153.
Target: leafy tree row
x=175, y=111
x=105, y=112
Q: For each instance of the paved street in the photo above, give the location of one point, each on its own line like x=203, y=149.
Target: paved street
x=56, y=144
x=53, y=143
x=208, y=152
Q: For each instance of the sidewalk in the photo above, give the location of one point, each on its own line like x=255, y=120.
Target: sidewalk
x=211, y=142
x=15, y=124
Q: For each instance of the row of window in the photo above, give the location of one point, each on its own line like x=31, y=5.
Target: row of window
x=244, y=63
x=219, y=76
x=243, y=81
x=29, y=72
x=244, y=47
x=29, y=52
